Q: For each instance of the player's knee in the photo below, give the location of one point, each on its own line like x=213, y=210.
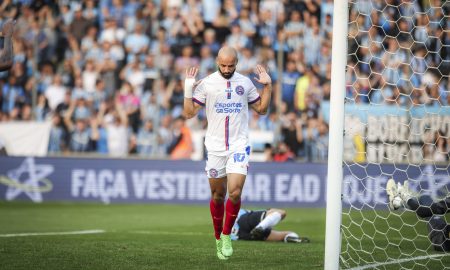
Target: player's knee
x=283, y=213
x=218, y=200
x=235, y=195
x=218, y=197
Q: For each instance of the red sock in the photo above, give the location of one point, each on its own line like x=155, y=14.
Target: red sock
x=232, y=210
x=217, y=211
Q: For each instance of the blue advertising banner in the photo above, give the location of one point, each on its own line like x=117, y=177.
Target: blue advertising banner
x=394, y=134
x=164, y=181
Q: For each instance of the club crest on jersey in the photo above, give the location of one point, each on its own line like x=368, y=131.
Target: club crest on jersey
x=239, y=90
x=213, y=173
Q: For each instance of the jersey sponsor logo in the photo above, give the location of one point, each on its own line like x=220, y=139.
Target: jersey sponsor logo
x=229, y=107
x=213, y=173
x=239, y=90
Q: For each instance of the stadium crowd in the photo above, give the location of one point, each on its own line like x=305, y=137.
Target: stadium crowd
x=109, y=73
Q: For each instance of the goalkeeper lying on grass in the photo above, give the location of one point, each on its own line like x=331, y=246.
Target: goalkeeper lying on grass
x=439, y=231
x=257, y=225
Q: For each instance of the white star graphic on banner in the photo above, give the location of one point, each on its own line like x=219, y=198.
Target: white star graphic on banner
x=435, y=182
x=30, y=186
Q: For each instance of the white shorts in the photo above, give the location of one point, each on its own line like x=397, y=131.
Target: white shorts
x=232, y=162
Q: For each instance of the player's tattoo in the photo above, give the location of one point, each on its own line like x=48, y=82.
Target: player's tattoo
x=7, y=53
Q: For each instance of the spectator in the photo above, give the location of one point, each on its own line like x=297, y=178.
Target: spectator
x=91, y=12
x=321, y=148
x=221, y=25
x=312, y=46
x=152, y=74
x=441, y=153
x=134, y=75
x=268, y=152
x=292, y=133
x=11, y=93
x=247, y=61
x=81, y=133
x=56, y=140
x=283, y=153
x=237, y=39
x=181, y=145
x=136, y=44
x=301, y=88
x=207, y=62
x=55, y=92
x=310, y=134
x=129, y=103
x=90, y=75
x=290, y=77
x=35, y=35
x=117, y=12
x=90, y=39
x=66, y=15
x=211, y=9
x=210, y=41
x=247, y=22
x=79, y=25
x=294, y=29
x=165, y=134
x=175, y=97
x=151, y=109
x=187, y=59
x=108, y=61
x=42, y=108
x=114, y=119
x=112, y=32
x=146, y=139
x=100, y=95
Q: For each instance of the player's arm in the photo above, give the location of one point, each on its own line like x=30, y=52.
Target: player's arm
x=190, y=108
x=6, y=55
x=262, y=104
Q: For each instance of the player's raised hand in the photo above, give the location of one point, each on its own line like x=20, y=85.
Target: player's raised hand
x=189, y=81
x=8, y=28
x=191, y=72
x=264, y=78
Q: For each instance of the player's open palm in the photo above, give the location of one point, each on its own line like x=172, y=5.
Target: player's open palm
x=264, y=78
x=191, y=72
x=8, y=28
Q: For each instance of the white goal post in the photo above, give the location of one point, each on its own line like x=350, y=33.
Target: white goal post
x=335, y=152
x=389, y=118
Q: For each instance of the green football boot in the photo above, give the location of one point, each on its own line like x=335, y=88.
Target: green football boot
x=219, y=250
x=227, y=249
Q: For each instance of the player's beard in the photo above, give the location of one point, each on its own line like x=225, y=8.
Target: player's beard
x=226, y=75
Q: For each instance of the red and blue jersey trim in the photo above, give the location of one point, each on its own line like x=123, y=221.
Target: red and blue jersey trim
x=256, y=99
x=198, y=101
x=229, y=90
x=227, y=132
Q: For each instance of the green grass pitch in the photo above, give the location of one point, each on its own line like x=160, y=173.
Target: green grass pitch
x=157, y=236
x=141, y=236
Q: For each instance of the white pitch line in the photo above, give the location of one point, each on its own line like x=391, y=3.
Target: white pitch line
x=51, y=233
x=169, y=233
x=398, y=261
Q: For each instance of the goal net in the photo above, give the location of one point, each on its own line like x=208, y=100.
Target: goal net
x=397, y=125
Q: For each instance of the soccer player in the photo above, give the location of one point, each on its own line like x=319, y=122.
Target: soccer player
x=7, y=54
x=257, y=225
x=226, y=95
x=426, y=208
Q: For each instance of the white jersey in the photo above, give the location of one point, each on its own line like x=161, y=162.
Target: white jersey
x=227, y=102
